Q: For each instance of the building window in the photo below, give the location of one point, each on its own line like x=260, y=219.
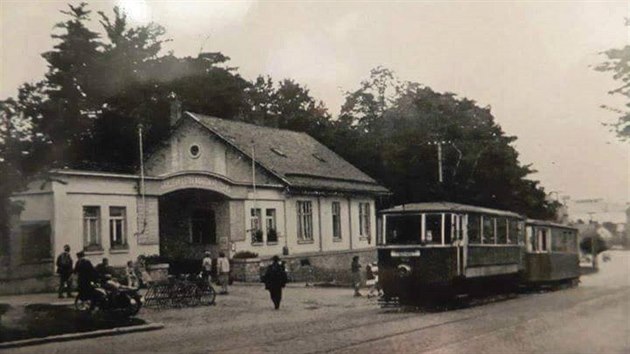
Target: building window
x=202, y=227
x=364, y=219
x=336, y=220
x=305, y=220
x=270, y=226
x=255, y=225
x=92, y=228
x=117, y=227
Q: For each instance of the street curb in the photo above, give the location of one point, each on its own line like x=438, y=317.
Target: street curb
x=82, y=335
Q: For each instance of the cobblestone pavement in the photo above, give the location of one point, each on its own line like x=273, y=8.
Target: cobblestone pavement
x=595, y=317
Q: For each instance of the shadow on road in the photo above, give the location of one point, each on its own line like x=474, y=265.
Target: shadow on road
x=42, y=320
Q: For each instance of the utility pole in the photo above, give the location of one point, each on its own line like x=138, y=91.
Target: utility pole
x=439, y=157
x=439, y=145
x=593, y=241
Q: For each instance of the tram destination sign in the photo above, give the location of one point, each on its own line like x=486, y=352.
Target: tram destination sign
x=415, y=253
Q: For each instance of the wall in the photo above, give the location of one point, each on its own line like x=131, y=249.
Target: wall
x=80, y=191
x=215, y=156
x=241, y=229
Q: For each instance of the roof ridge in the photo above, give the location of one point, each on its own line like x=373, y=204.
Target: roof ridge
x=298, y=174
x=246, y=123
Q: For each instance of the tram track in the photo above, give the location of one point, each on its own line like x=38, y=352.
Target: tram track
x=347, y=331
x=470, y=318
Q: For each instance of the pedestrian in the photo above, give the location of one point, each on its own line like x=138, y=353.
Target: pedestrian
x=275, y=279
x=64, y=269
x=371, y=276
x=85, y=276
x=206, y=267
x=132, y=279
x=355, y=267
x=223, y=265
x=141, y=272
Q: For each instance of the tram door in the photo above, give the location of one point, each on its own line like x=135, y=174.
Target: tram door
x=457, y=239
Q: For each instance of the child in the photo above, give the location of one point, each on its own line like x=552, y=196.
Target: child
x=371, y=274
x=132, y=279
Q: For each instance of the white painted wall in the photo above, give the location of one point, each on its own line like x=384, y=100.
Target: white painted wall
x=81, y=191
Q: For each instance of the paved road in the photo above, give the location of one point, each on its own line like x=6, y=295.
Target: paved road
x=593, y=318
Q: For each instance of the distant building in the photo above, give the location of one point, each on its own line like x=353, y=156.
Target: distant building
x=214, y=185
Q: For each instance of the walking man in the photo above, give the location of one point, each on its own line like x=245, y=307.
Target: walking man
x=275, y=279
x=64, y=269
x=223, y=265
x=355, y=267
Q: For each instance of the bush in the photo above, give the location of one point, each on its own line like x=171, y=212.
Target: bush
x=245, y=255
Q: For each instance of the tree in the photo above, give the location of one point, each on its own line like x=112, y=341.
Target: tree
x=618, y=64
x=399, y=125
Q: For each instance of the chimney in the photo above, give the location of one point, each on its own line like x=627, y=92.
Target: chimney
x=176, y=109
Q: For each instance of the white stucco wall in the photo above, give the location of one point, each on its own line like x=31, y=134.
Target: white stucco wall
x=69, y=201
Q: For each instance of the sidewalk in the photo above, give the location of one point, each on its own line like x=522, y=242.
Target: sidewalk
x=39, y=298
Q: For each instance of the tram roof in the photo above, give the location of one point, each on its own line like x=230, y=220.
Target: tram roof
x=448, y=207
x=537, y=222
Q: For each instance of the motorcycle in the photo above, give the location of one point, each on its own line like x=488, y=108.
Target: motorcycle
x=110, y=296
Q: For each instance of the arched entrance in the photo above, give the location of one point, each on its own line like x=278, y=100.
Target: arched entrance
x=193, y=221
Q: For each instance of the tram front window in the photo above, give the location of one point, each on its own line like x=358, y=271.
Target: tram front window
x=403, y=229
x=433, y=224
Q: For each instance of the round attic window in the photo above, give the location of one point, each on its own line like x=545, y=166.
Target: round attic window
x=194, y=151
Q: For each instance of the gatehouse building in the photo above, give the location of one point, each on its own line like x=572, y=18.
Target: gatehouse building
x=213, y=185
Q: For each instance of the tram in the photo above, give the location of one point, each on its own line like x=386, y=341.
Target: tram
x=552, y=254
x=429, y=251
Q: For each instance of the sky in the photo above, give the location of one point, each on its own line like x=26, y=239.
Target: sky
x=531, y=61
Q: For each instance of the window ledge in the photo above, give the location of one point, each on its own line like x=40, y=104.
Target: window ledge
x=272, y=243
x=305, y=242
x=337, y=239
x=118, y=250
x=258, y=244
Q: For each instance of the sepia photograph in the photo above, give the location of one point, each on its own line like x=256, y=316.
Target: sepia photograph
x=315, y=176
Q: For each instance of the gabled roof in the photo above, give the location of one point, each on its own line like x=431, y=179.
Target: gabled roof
x=448, y=207
x=295, y=157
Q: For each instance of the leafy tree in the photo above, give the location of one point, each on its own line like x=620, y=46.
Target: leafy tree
x=618, y=64
x=399, y=126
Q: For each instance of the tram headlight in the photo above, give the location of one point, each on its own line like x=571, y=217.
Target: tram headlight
x=404, y=270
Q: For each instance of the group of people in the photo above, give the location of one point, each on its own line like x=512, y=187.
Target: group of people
x=223, y=270
x=275, y=276
x=135, y=273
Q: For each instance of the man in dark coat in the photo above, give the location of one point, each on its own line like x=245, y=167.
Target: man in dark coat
x=64, y=269
x=275, y=279
x=85, y=274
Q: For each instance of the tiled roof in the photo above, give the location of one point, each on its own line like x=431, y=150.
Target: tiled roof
x=297, y=158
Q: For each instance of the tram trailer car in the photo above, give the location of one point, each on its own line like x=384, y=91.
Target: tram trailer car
x=433, y=251
x=552, y=255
